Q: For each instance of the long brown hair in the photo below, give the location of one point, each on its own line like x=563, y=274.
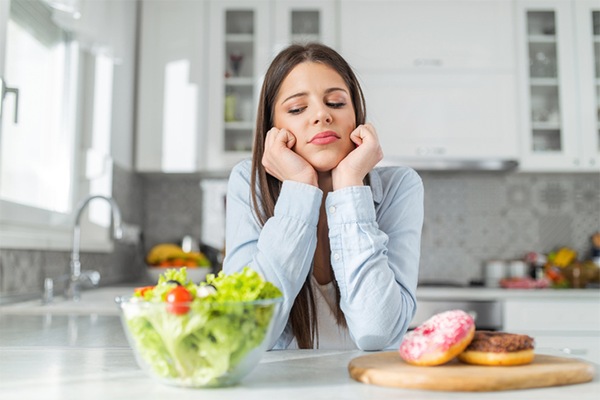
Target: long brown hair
x=303, y=318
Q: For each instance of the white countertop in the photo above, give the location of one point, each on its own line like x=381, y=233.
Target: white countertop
x=485, y=294
x=87, y=357
x=101, y=300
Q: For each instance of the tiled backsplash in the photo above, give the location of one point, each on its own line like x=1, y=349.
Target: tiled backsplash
x=469, y=217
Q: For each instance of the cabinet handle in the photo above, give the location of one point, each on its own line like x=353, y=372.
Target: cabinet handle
x=576, y=161
x=425, y=62
x=5, y=89
x=422, y=150
x=592, y=161
x=575, y=352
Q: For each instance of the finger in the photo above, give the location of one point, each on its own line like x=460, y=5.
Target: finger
x=371, y=129
x=356, y=136
x=290, y=139
x=270, y=137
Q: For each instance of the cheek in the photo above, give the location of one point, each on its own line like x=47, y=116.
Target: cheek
x=349, y=124
x=277, y=119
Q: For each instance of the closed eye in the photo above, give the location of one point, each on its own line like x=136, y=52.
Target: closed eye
x=296, y=110
x=336, y=105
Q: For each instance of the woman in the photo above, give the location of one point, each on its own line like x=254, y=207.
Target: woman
x=339, y=238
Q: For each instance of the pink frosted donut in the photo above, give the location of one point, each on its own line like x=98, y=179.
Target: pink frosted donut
x=439, y=339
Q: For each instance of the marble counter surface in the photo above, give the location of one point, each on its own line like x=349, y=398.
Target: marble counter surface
x=87, y=357
x=101, y=301
x=491, y=294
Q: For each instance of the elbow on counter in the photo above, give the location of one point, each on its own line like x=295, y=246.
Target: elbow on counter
x=390, y=337
x=376, y=342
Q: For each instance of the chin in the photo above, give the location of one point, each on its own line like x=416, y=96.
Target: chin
x=325, y=158
x=324, y=164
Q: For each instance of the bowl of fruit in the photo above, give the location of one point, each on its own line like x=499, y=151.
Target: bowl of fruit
x=167, y=255
x=207, y=335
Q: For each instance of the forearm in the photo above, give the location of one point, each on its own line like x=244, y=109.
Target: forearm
x=376, y=269
x=282, y=250
x=377, y=301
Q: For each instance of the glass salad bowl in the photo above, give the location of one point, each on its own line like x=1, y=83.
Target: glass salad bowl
x=200, y=336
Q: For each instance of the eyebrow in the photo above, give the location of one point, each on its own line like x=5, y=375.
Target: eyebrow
x=334, y=89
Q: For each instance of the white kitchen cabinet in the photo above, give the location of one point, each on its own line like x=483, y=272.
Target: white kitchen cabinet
x=201, y=69
x=439, y=76
x=170, y=112
x=238, y=54
x=301, y=22
x=427, y=35
x=569, y=325
x=588, y=50
x=558, y=85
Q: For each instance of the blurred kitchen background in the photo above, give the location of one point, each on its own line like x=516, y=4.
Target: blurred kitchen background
x=494, y=103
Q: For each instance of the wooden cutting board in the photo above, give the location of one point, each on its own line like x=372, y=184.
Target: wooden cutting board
x=388, y=369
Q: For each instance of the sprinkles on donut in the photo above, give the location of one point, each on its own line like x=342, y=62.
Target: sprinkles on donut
x=439, y=339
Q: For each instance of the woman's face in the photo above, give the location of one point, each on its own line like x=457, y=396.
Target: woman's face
x=315, y=105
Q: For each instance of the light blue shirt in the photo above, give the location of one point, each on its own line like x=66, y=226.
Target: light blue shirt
x=375, y=241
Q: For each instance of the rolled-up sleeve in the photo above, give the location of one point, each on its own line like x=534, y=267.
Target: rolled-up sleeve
x=375, y=250
x=282, y=250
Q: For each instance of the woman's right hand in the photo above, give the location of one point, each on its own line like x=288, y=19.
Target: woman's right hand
x=283, y=163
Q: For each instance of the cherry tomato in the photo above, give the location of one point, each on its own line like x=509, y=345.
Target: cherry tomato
x=174, y=299
x=142, y=290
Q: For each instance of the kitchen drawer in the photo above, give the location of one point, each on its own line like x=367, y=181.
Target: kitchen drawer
x=565, y=315
x=584, y=347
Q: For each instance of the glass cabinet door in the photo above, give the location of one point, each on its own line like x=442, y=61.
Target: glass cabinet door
x=544, y=88
x=587, y=15
x=238, y=58
x=548, y=86
x=239, y=80
x=303, y=22
x=594, y=156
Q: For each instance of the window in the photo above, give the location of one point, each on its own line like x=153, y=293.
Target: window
x=36, y=159
x=66, y=58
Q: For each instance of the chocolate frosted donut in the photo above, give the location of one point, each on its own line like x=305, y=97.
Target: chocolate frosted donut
x=498, y=348
x=499, y=342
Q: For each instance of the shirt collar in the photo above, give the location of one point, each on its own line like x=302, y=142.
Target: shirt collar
x=376, y=187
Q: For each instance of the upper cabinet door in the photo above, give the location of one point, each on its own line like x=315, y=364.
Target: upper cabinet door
x=548, y=86
x=427, y=34
x=423, y=117
x=438, y=77
x=302, y=22
x=239, y=52
x=171, y=107
x=587, y=15
x=4, y=16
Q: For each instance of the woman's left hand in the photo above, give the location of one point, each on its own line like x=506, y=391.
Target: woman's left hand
x=356, y=165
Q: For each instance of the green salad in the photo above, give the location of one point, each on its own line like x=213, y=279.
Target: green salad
x=199, y=333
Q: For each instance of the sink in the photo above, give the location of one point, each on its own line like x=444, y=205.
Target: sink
x=93, y=301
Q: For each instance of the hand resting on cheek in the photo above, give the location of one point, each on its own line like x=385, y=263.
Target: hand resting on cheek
x=283, y=163
x=356, y=165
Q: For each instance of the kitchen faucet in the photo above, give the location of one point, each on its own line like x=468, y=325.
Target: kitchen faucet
x=77, y=277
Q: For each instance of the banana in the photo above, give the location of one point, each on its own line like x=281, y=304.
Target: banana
x=564, y=257
x=163, y=251
x=166, y=251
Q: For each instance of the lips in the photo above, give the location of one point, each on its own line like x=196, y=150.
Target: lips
x=324, y=138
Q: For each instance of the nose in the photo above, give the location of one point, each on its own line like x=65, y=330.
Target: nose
x=322, y=116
